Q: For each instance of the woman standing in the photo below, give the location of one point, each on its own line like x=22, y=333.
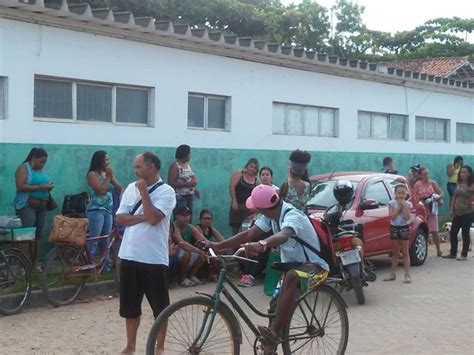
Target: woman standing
x=182, y=178
x=429, y=192
x=32, y=194
x=453, y=172
x=462, y=212
x=241, y=185
x=296, y=190
x=102, y=182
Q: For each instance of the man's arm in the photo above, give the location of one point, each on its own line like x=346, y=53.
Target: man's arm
x=129, y=220
x=239, y=239
x=272, y=241
x=152, y=214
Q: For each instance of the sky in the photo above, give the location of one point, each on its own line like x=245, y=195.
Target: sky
x=402, y=15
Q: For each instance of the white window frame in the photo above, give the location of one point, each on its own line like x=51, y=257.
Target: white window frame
x=424, y=118
x=206, y=97
x=302, y=107
x=74, y=119
x=389, y=118
x=458, y=127
x=3, y=98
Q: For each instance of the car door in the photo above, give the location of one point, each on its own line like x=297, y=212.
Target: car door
x=375, y=221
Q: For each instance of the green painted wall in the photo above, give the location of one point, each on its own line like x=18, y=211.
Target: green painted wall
x=68, y=164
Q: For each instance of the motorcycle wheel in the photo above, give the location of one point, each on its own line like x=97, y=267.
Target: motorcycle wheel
x=357, y=286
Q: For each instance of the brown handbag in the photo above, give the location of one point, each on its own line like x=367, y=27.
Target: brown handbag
x=69, y=230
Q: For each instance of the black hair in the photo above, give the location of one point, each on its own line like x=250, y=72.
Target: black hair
x=182, y=151
x=251, y=161
x=36, y=153
x=152, y=159
x=98, y=161
x=421, y=169
x=205, y=211
x=300, y=156
x=387, y=160
x=470, y=178
x=266, y=168
x=458, y=159
x=400, y=186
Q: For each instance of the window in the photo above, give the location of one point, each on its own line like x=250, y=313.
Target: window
x=377, y=191
x=382, y=126
x=208, y=112
x=304, y=120
x=3, y=98
x=73, y=100
x=432, y=129
x=465, y=132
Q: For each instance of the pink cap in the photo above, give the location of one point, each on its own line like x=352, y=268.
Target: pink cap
x=262, y=197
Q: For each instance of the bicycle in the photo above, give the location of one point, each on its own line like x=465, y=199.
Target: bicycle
x=204, y=324
x=67, y=267
x=15, y=281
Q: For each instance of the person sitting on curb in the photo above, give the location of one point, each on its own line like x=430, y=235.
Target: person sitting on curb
x=191, y=258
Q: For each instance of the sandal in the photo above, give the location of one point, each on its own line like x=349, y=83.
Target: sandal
x=407, y=279
x=391, y=277
x=440, y=254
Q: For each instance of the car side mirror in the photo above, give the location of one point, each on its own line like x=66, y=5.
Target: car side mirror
x=369, y=204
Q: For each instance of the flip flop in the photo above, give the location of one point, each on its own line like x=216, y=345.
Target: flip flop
x=407, y=279
x=391, y=277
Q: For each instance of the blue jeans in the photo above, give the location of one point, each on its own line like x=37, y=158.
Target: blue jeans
x=100, y=223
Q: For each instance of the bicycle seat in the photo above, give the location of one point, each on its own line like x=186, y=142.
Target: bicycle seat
x=284, y=267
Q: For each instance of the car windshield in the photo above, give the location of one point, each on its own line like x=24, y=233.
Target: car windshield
x=322, y=194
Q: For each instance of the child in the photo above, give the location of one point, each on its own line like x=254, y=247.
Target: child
x=400, y=212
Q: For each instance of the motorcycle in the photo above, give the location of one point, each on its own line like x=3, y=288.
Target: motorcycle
x=346, y=240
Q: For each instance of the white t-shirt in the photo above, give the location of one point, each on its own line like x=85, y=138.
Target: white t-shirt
x=143, y=242
x=292, y=250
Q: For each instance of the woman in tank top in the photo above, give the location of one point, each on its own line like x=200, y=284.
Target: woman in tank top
x=32, y=192
x=241, y=185
x=462, y=212
x=425, y=188
x=182, y=178
x=453, y=171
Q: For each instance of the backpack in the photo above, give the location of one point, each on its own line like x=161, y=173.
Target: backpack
x=325, y=242
x=75, y=205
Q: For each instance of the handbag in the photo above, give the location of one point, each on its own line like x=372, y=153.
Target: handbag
x=51, y=204
x=69, y=230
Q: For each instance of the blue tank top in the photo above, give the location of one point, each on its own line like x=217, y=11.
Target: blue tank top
x=39, y=177
x=104, y=201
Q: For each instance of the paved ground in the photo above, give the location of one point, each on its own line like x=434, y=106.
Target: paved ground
x=433, y=315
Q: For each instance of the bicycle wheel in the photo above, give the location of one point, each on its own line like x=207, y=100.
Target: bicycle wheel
x=15, y=282
x=318, y=324
x=62, y=278
x=184, y=321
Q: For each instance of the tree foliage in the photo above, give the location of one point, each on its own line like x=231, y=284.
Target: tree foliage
x=339, y=30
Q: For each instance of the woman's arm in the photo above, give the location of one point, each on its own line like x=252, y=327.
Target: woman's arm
x=22, y=186
x=94, y=182
x=450, y=170
x=437, y=189
x=183, y=244
x=172, y=177
x=233, y=182
x=117, y=185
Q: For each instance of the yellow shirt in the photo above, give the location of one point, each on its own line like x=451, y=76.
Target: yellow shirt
x=454, y=178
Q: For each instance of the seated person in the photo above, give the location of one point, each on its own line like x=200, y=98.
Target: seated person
x=212, y=234
x=173, y=265
x=294, y=233
x=191, y=258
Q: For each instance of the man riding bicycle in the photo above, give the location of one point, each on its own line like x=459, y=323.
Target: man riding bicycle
x=296, y=238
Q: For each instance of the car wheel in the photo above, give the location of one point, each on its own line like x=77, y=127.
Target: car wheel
x=419, y=248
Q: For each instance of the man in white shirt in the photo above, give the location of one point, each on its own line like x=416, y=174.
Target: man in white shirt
x=145, y=210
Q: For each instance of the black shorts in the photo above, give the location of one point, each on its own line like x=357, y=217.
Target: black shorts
x=399, y=232
x=138, y=279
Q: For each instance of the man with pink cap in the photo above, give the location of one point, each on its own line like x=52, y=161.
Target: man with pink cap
x=296, y=239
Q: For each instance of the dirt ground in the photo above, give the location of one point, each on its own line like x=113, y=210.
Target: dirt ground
x=433, y=315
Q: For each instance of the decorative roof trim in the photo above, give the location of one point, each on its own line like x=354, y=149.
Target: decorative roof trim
x=58, y=13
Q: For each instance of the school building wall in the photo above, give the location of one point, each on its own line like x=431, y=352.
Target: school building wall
x=28, y=49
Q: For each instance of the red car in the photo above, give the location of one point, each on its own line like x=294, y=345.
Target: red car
x=369, y=207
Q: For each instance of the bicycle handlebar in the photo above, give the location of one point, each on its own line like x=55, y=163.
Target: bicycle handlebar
x=233, y=256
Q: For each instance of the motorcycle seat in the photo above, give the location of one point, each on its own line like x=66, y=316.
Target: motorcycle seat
x=284, y=267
